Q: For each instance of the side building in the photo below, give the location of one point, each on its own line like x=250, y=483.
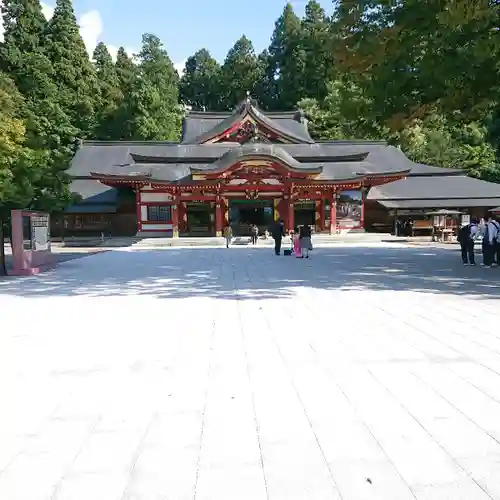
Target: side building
x=239, y=168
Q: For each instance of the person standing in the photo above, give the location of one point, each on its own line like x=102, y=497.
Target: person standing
x=296, y=243
x=489, y=234
x=305, y=240
x=255, y=234
x=228, y=234
x=496, y=243
x=278, y=233
x=467, y=237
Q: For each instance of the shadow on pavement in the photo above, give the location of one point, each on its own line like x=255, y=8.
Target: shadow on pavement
x=258, y=274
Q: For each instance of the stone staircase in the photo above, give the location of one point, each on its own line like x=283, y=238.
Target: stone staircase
x=243, y=241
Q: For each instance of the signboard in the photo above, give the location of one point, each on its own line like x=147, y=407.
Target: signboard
x=349, y=208
x=40, y=236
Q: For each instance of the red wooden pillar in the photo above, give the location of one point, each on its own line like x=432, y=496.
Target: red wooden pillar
x=175, y=219
x=333, y=213
x=320, y=215
x=363, y=196
x=291, y=215
x=225, y=212
x=181, y=208
x=138, y=208
x=218, y=217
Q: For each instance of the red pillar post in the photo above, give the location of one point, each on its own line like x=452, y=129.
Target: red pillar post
x=138, y=208
x=320, y=215
x=291, y=214
x=333, y=213
x=363, y=196
x=218, y=217
x=182, y=215
x=175, y=218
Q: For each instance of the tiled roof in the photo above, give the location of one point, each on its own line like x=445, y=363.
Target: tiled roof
x=199, y=127
x=423, y=188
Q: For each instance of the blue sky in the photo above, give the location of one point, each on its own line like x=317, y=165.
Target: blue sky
x=184, y=26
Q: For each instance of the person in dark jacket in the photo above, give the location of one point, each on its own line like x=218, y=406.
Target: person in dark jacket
x=277, y=233
x=466, y=237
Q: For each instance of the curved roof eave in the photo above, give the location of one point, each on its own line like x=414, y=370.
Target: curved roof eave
x=261, y=151
x=389, y=173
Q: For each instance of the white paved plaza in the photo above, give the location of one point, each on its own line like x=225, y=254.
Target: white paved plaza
x=214, y=374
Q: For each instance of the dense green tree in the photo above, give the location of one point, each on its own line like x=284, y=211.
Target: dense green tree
x=316, y=41
x=345, y=113
x=126, y=71
x=26, y=175
x=266, y=90
x=444, y=141
x=239, y=74
x=288, y=59
x=23, y=57
x=49, y=134
x=199, y=85
x=109, y=96
x=420, y=54
x=440, y=141
x=24, y=25
x=151, y=110
x=76, y=78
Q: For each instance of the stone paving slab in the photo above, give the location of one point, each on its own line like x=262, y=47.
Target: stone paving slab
x=363, y=373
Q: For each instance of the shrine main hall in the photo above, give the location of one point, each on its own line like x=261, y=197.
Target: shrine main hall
x=241, y=168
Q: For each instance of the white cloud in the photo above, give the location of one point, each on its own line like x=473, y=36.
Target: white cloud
x=48, y=10
x=91, y=28
x=180, y=67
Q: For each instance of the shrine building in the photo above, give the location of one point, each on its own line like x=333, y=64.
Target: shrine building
x=241, y=168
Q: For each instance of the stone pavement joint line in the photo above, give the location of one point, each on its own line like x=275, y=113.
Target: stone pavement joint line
x=364, y=373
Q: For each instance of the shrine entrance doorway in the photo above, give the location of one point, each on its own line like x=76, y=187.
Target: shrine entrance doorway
x=305, y=213
x=200, y=218
x=244, y=213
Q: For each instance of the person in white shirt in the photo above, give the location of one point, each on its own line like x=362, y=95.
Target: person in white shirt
x=489, y=233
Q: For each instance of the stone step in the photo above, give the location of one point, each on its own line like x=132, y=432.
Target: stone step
x=318, y=239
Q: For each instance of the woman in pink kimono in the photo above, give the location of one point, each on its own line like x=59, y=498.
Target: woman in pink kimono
x=297, y=251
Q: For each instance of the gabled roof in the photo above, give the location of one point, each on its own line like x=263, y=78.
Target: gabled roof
x=437, y=192
x=199, y=127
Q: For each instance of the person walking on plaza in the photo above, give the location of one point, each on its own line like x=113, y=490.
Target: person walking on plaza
x=489, y=234
x=278, y=233
x=467, y=237
x=228, y=234
x=255, y=234
x=305, y=240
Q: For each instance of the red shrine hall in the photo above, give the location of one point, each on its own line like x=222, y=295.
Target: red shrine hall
x=241, y=168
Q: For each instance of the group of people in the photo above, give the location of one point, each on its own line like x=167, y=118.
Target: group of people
x=254, y=234
x=489, y=231
x=301, y=238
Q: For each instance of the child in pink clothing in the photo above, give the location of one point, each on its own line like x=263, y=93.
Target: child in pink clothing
x=297, y=251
